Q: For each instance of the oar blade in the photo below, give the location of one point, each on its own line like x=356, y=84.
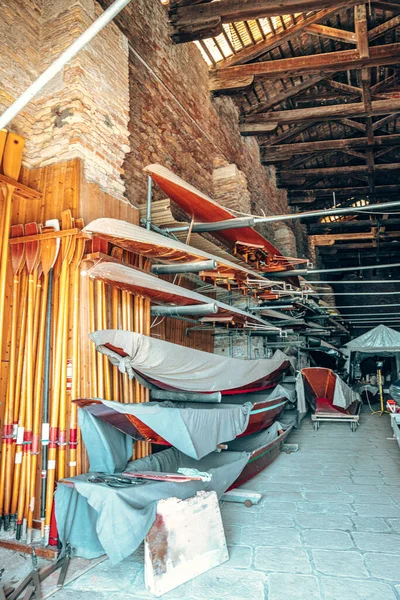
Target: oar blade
x=32, y=249
x=17, y=251
x=50, y=247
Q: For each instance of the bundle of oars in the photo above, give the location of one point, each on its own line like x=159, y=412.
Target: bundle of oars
x=128, y=312
x=42, y=320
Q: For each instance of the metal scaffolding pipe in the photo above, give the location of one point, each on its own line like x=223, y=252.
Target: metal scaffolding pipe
x=181, y=311
x=194, y=267
x=251, y=221
x=283, y=274
x=365, y=306
x=148, y=212
x=354, y=281
x=61, y=61
x=213, y=397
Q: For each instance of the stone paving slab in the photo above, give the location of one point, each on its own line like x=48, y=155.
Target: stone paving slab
x=327, y=528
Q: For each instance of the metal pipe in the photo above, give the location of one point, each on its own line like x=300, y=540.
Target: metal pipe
x=148, y=213
x=251, y=221
x=194, y=267
x=344, y=317
x=181, y=311
x=366, y=306
x=283, y=274
x=61, y=61
x=213, y=397
x=355, y=281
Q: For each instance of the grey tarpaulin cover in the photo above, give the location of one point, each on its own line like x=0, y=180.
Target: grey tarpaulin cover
x=195, y=430
x=377, y=340
x=97, y=519
x=183, y=368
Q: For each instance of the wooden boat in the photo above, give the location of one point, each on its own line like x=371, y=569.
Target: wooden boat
x=166, y=250
x=162, y=292
x=263, y=413
x=321, y=385
x=245, y=241
x=264, y=447
x=169, y=366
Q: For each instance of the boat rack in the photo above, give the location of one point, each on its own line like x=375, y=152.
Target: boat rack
x=319, y=417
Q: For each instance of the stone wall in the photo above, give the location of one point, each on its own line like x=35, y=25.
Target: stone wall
x=83, y=112
x=175, y=121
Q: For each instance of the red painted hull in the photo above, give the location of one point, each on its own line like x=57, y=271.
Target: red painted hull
x=319, y=387
x=261, y=458
x=201, y=208
x=263, y=415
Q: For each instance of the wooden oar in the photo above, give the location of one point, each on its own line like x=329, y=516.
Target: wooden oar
x=18, y=396
x=59, y=367
x=50, y=249
x=17, y=263
x=12, y=160
x=73, y=423
x=67, y=222
x=32, y=252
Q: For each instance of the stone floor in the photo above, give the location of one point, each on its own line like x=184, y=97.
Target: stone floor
x=328, y=527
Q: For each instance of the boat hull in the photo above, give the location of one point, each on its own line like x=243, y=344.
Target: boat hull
x=263, y=414
x=260, y=458
x=319, y=388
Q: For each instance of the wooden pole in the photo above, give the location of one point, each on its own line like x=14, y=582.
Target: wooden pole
x=50, y=249
x=17, y=263
x=66, y=220
x=32, y=250
x=73, y=425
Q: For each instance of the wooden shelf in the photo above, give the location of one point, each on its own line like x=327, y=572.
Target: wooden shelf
x=20, y=189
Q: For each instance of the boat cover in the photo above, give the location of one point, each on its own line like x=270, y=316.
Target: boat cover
x=258, y=440
x=183, y=368
x=98, y=519
x=195, y=430
x=343, y=395
x=380, y=339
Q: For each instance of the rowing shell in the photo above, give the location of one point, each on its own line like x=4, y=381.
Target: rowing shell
x=167, y=250
x=254, y=248
x=162, y=292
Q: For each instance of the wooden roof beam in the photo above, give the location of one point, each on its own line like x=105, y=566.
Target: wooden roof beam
x=336, y=171
x=319, y=193
x=373, y=34
x=253, y=124
x=310, y=147
x=277, y=39
x=230, y=11
x=329, y=62
x=341, y=35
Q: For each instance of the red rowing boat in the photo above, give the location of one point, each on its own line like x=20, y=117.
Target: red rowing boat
x=264, y=448
x=172, y=367
x=263, y=413
x=162, y=292
x=245, y=241
x=327, y=394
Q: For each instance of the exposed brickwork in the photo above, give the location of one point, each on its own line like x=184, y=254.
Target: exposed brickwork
x=174, y=120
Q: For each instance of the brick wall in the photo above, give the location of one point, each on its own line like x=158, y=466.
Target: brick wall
x=174, y=120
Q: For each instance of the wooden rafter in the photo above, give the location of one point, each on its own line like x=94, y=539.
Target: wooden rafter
x=319, y=113
x=329, y=62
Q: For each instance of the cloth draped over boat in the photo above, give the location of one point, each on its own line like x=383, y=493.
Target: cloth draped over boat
x=98, y=519
x=182, y=368
x=378, y=340
x=343, y=395
x=251, y=443
x=195, y=430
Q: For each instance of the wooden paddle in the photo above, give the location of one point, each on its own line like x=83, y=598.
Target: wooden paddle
x=49, y=251
x=75, y=276
x=58, y=401
x=12, y=160
x=17, y=263
x=32, y=253
x=67, y=222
